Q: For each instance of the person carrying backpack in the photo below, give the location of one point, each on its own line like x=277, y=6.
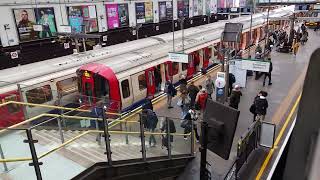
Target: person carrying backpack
x=232, y=80
x=261, y=106
x=191, y=117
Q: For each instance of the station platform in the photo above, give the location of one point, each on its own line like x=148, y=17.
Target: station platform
x=287, y=78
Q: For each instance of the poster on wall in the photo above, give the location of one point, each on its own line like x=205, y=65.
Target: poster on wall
x=148, y=12
x=211, y=7
x=195, y=8
x=221, y=3
x=183, y=8
x=144, y=12
x=82, y=19
x=165, y=10
x=123, y=15
x=33, y=24
x=112, y=16
x=117, y=15
x=140, y=13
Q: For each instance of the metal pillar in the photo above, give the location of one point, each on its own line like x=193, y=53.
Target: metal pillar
x=22, y=100
x=142, y=137
x=60, y=126
x=2, y=157
x=173, y=48
x=168, y=138
x=106, y=136
x=203, y=151
x=84, y=45
x=251, y=43
x=35, y=161
x=267, y=32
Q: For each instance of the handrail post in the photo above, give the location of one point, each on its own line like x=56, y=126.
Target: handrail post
x=142, y=137
x=106, y=136
x=99, y=134
x=35, y=161
x=192, y=138
x=168, y=138
x=60, y=128
x=203, y=150
x=126, y=128
x=2, y=157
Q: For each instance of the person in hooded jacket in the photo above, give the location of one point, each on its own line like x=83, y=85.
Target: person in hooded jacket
x=261, y=106
x=191, y=117
x=193, y=91
x=150, y=121
x=235, y=97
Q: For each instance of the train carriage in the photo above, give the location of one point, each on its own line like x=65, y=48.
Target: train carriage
x=125, y=74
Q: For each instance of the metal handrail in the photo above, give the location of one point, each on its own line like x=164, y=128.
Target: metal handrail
x=83, y=134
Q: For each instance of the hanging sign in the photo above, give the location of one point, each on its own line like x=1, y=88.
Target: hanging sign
x=254, y=65
x=178, y=57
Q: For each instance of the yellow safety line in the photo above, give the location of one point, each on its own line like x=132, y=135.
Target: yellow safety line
x=266, y=161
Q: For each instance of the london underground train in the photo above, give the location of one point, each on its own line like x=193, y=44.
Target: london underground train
x=124, y=73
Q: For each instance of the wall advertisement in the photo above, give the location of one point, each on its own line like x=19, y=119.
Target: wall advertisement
x=117, y=15
x=183, y=8
x=221, y=3
x=165, y=10
x=144, y=12
x=83, y=19
x=197, y=7
x=33, y=24
x=211, y=7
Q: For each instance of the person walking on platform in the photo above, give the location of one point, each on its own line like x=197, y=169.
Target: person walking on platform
x=268, y=74
x=148, y=103
x=171, y=92
x=295, y=47
x=193, y=91
x=191, y=117
x=183, y=85
x=232, y=80
x=235, y=97
x=165, y=128
x=97, y=112
x=201, y=99
x=209, y=86
x=150, y=121
x=184, y=104
x=261, y=105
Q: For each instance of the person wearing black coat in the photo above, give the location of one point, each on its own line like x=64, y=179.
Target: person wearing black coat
x=164, y=128
x=268, y=74
x=235, y=97
x=193, y=91
x=191, y=117
x=148, y=103
x=171, y=92
x=261, y=106
x=150, y=121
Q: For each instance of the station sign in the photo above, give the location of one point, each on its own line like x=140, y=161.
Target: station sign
x=178, y=57
x=253, y=65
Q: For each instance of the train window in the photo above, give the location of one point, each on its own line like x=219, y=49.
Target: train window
x=67, y=86
x=150, y=76
x=125, y=88
x=142, y=82
x=184, y=66
x=175, y=68
x=12, y=108
x=39, y=95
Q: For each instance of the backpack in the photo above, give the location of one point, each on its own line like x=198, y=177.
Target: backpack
x=232, y=78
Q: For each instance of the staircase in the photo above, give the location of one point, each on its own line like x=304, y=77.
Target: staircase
x=86, y=150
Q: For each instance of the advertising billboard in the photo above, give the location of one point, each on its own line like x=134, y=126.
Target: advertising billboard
x=144, y=12
x=183, y=8
x=123, y=15
x=211, y=7
x=82, y=19
x=221, y=3
x=33, y=24
x=165, y=10
x=197, y=7
x=112, y=16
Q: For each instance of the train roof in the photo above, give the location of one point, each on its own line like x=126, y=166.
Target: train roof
x=124, y=56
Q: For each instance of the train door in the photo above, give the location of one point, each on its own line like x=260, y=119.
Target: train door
x=11, y=113
x=139, y=86
x=207, y=56
x=152, y=84
x=87, y=87
x=126, y=92
x=167, y=70
x=190, y=66
x=172, y=71
x=159, y=76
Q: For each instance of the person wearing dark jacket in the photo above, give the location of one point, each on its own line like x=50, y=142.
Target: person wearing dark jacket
x=268, y=74
x=164, y=128
x=97, y=112
x=235, y=97
x=261, y=105
x=150, y=121
x=148, y=103
x=193, y=91
x=171, y=91
x=183, y=85
x=191, y=117
x=232, y=79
